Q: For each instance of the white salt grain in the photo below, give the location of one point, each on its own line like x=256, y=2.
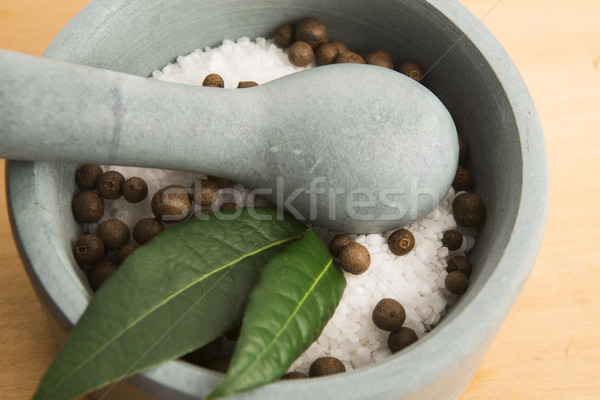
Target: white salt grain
x=416, y=280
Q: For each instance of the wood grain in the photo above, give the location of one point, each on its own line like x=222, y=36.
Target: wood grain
x=549, y=347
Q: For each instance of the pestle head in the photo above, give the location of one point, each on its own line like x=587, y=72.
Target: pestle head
x=355, y=148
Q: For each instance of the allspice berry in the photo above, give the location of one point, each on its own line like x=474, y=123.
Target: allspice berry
x=145, y=229
x=401, y=242
x=354, y=258
x=457, y=282
x=380, y=58
x=342, y=48
x=246, y=84
x=463, y=180
x=87, y=176
x=206, y=353
x=463, y=149
x=135, y=189
x=459, y=263
x=284, y=36
x=326, y=54
x=412, y=70
x=88, y=207
x=312, y=31
x=468, y=209
x=125, y=252
x=114, y=234
x=402, y=338
x=388, y=315
x=213, y=80
x=100, y=273
x=221, y=182
x=205, y=192
x=294, y=375
x=171, y=204
x=300, y=54
x=228, y=206
x=326, y=366
x=110, y=185
x=452, y=239
x=338, y=242
x=349, y=57
x=89, y=250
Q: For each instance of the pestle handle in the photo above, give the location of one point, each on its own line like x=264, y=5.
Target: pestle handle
x=56, y=111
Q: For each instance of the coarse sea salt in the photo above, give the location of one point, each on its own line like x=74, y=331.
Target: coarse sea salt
x=416, y=280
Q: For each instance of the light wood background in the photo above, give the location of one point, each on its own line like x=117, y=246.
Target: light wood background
x=549, y=347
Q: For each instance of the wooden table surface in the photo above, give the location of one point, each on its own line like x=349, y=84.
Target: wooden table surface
x=549, y=347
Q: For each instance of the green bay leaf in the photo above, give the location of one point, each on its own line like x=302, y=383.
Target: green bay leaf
x=295, y=296
x=176, y=293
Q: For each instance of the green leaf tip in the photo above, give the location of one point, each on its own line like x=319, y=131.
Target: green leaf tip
x=161, y=303
x=296, y=295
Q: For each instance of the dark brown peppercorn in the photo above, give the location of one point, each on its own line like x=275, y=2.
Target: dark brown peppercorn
x=402, y=338
x=145, y=229
x=284, y=36
x=246, y=84
x=388, y=315
x=221, y=182
x=326, y=54
x=114, y=234
x=457, y=282
x=87, y=176
x=300, y=54
x=349, y=57
x=326, y=366
x=125, y=252
x=100, y=273
x=354, y=258
x=208, y=352
x=401, y=242
x=294, y=375
x=463, y=180
x=89, y=250
x=452, y=239
x=213, y=80
x=228, y=206
x=338, y=242
x=311, y=31
x=205, y=192
x=459, y=263
x=463, y=149
x=110, y=185
x=135, y=189
x=219, y=364
x=88, y=207
x=171, y=204
x=468, y=209
x=412, y=70
x=342, y=48
x=380, y=58
x=234, y=333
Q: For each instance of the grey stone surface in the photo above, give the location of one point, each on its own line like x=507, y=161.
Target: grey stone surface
x=354, y=148
x=473, y=77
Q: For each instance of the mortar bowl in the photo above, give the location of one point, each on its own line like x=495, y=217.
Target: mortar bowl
x=469, y=72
